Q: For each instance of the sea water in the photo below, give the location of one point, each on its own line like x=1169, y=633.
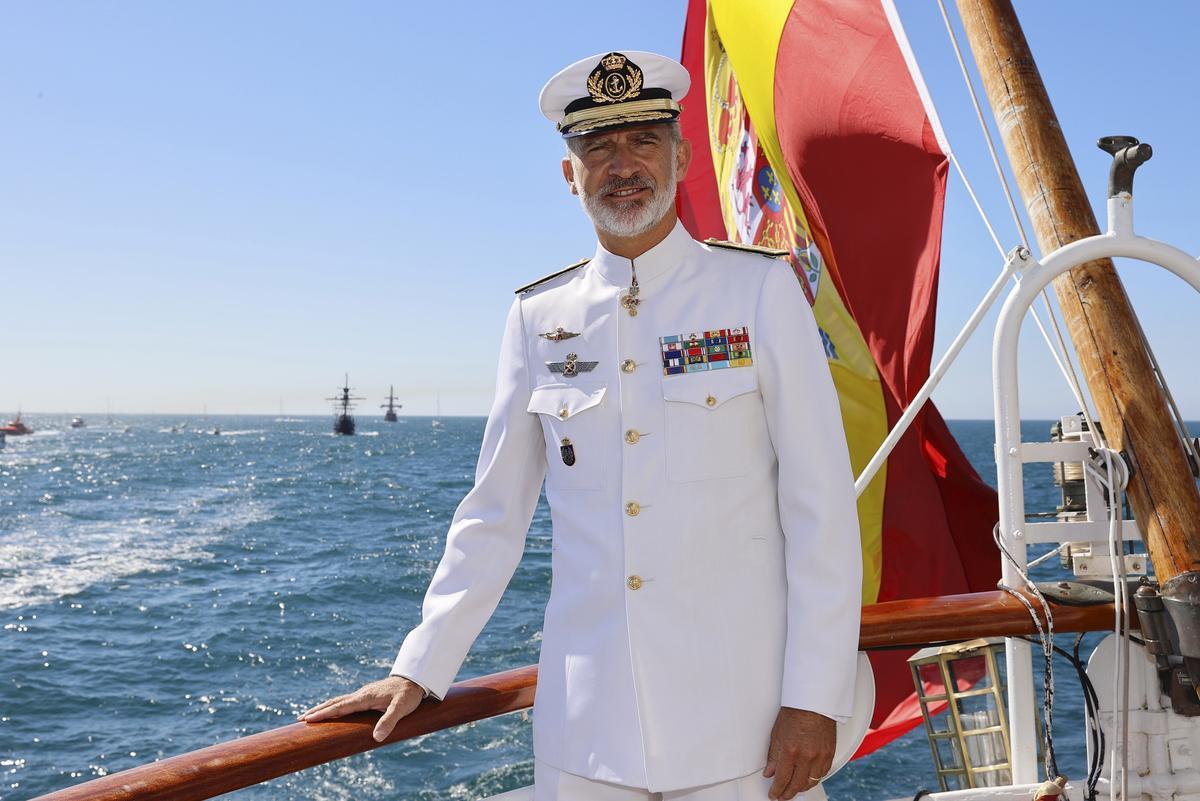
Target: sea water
x=163, y=588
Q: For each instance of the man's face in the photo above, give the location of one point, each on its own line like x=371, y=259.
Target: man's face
x=626, y=178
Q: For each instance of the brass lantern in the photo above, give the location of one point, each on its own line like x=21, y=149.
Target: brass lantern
x=961, y=691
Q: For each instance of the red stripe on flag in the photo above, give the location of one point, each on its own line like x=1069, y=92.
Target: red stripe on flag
x=861, y=152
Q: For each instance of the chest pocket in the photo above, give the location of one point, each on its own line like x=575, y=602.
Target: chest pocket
x=715, y=424
x=572, y=421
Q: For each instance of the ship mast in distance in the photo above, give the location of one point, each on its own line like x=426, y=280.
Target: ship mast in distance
x=343, y=421
x=391, y=405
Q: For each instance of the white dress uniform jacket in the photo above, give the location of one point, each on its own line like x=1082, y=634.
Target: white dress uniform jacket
x=706, y=559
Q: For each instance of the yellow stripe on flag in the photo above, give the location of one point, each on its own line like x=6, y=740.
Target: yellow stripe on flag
x=742, y=41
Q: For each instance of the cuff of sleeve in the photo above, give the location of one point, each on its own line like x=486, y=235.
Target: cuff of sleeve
x=428, y=693
x=834, y=718
x=835, y=703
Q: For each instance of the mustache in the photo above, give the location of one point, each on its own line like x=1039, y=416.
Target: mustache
x=632, y=182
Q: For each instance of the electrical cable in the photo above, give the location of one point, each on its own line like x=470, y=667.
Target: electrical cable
x=1046, y=635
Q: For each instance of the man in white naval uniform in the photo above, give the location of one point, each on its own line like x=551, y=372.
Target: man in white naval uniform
x=700, y=638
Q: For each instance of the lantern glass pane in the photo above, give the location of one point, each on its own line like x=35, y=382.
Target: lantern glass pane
x=977, y=712
x=931, y=679
x=993, y=778
x=953, y=781
x=970, y=672
x=947, y=753
x=940, y=721
x=986, y=749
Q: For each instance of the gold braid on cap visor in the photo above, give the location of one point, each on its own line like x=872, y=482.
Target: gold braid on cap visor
x=632, y=111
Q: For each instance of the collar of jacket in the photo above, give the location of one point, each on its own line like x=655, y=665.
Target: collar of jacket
x=654, y=263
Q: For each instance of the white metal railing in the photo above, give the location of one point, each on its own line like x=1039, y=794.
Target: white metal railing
x=1119, y=241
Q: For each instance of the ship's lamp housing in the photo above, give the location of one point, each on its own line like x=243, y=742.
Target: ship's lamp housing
x=961, y=691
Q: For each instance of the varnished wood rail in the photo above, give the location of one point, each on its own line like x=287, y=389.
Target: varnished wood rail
x=257, y=758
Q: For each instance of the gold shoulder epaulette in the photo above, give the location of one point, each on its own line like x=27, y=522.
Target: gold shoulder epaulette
x=774, y=253
x=553, y=275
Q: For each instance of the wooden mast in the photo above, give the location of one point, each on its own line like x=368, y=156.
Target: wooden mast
x=1131, y=404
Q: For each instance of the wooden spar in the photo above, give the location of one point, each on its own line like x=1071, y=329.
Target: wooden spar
x=1131, y=404
x=235, y=764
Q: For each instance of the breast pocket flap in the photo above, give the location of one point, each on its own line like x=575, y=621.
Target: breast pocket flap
x=710, y=389
x=564, y=401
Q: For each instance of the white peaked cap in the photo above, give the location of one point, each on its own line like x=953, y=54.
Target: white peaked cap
x=614, y=90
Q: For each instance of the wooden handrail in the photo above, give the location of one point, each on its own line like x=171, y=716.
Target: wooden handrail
x=235, y=764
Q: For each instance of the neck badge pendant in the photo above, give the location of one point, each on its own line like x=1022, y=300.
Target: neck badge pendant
x=630, y=299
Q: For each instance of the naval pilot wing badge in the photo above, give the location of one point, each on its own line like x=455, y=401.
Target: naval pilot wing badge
x=559, y=334
x=572, y=366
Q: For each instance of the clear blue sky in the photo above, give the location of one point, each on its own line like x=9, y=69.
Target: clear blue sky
x=232, y=204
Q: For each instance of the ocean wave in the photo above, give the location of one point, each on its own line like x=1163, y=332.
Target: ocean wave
x=55, y=556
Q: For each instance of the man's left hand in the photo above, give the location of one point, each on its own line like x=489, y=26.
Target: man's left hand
x=801, y=751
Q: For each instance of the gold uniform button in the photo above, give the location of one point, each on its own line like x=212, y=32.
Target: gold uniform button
x=632, y=508
x=634, y=582
x=710, y=400
x=632, y=437
x=562, y=413
x=628, y=366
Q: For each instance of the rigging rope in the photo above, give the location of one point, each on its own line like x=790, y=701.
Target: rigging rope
x=978, y=206
x=1114, y=478
x=1065, y=365
x=1054, y=353
x=1180, y=423
x=1115, y=481
x=962, y=65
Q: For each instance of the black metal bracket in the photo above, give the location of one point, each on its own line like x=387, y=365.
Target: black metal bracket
x=1169, y=617
x=1128, y=154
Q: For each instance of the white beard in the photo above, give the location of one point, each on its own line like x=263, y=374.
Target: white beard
x=637, y=218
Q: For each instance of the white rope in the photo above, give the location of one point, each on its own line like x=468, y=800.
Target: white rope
x=1071, y=375
x=1115, y=483
x=987, y=223
x=1065, y=365
x=1067, y=370
x=1044, y=558
x=962, y=65
x=1180, y=423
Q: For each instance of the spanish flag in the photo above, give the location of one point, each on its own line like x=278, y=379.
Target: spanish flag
x=814, y=134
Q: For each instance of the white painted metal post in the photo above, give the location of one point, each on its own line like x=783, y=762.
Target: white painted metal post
x=1120, y=241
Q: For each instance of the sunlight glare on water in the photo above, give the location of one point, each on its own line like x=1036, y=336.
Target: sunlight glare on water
x=162, y=590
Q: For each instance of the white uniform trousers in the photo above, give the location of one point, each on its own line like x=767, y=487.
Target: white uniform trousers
x=552, y=784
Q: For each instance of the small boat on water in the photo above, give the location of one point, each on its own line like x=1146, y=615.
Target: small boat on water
x=16, y=427
x=391, y=406
x=77, y=422
x=343, y=421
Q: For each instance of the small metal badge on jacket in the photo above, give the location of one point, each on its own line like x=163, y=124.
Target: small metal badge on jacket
x=572, y=366
x=711, y=350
